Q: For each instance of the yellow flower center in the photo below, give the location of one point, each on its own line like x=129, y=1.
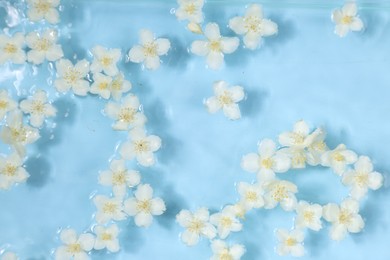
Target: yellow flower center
x=9, y=170
x=144, y=206
x=141, y=146
x=318, y=146
x=338, y=157
x=267, y=163
x=297, y=138
x=225, y=99
x=226, y=222
x=19, y=134
x=38, y=107
x=279, y=193
x=215, y=46
x=3, y=104
x=308, y=216
x=10, y=48
x=361, y=179
x=106, y=237
x=109, y=207
x=291, y=241
x=347, y=19
x=42, y=6
x=344, y=217
x=298, y=159
x=252, y=23
x=126, y=115
x=71, y=76
x=195, y=226
x=190, y=9
x=119, y=178
x=74, y=248
x=150, y=50
x=103, y=85
x=251, y=196
x=116, y=84
x=106, y=61
x=42, y=45
x=225, y=255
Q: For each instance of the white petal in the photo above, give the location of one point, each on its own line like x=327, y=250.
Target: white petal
x=338, y=232
x=254, y=10
x=190, y=238
x=268, y=27
x=350, y=9
x=152, y=63
x=213, y=105
x=351, y=205
x=331, y=212
x=146, y=37
x=36, y=57
x=54, y=53
x=158, y=206
x=127, y=150
x=130, y=206
x=229, y=44
x=136, y=54
x=237, y=93
x=232, y=111
x=215, y=60
x=281, y=163
x=341, y=30
x=52, y=16
x=252, y=40
x=86, y=241
x=297, y=250
x=237, y=24
x=250, y=162
x=184, y=217
x=154, y=142
x=83, y=67
x=356, y=224
x=267, y=148
x=144, y=192
x=375, y=180
x=212, y=31
x=143, y=219
x=200, y=48
x=237, y=251
x=163, y=45
x=146, y=159
x=68, y=236
x=356, y=25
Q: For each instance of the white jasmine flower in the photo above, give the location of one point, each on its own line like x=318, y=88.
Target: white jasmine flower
x=195, y=28
x=280, y=191
x=290, y=242
x=190, y=10
x=362, y=178
x=72, y=77
x=253, y=26
x=6, y=103
x=297, y=156
x=143, y=206
x=119, y=177
x=214, y=46
x=346, y=19
x=126, y=114
x=251, y=195
x=108, y=209
x=106, y=237
x=11, y=48
x=43, y=9
x=149, y=50
x=16, y=133
x=119, y=86
x=101, y=85
x=105, y=60
x=75, y=247
x=226, y=222
x=222, y=251
x=266, y=162
x=308, y=216
x=11, y=171
x=43, y=46
x=240, y=209
x=227, y=99
x=9, y=256
x=196, y=225
x=141, y=147
x=299, y=138
x=317, y=148
x=343, y=218
x=38, y=108
x=338, y=159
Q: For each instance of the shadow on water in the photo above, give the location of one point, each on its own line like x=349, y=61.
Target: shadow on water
x=178, y=55
x=130, y=237
x=286, y=32
x=254, y=102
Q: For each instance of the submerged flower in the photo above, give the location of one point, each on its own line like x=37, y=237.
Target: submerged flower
x=108, y=209
x=126, y=114
x=107, y=237
x=282, y=192
x=141, y=147
x=190, y=10
x=251, y=195
x=119, y=86
x=6, y=103
x=226, y=221
x=343, y=218
x=75, y=247
x=149, y=50
x=346, y=19
x=338, y=159
x=362, y=178
x=105, y=60
x=290, y=242
x=119, y=177
x=38, y=108
x=227, y=99
x=43, y=46
x=43, y=9
x=253, y=26
x=215, y=46
x=196, y=224
x=308, y=216
x=222, y=251
x=143, y=206
x=266, y=162
x=101, y=85
x=11, y=48
x=71, y=76
x=11, y=171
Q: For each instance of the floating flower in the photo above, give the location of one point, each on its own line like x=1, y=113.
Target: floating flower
x=343, y=218
x=108, y=209
x=43, y=46
x=190, y=10
x=38, y=108
x=6, y=103
x=362, y=178
x=222, y=251
x=346, y=19
x=227, y=99
x=317, y=148
x=101, y=85
x=126, y=114
x=266, y=162
x=11, y=48
x=75, y=247
x=308, y=216
x=119, y=177
x=226, y=222
x=16, y=133
x=119, y=86
x=253, y=26
x=143, y=207
x=215, y=46
x=338, y=159
x=290, y=242
x=300, y=137
x=149, y=50
x=282, y=192
x=251, y=195
x=72, y=77
x=11, y=171
x=9, y=256
x=43, y=9
x=107, y=237
x=141, y=147
x=105, y=60
x=196, y=225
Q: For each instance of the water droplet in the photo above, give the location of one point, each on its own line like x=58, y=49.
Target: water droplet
x=172, y=11
x=51, y=137
x=66, y=114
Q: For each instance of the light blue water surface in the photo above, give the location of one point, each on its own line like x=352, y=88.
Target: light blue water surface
x=305, y=72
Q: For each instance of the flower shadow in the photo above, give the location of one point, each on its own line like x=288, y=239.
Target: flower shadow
x=286, y=32
x=39, y=170
x=130, y=238
x=253, y=102
x=178, y=56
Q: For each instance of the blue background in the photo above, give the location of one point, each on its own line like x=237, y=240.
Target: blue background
x=305, y=72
